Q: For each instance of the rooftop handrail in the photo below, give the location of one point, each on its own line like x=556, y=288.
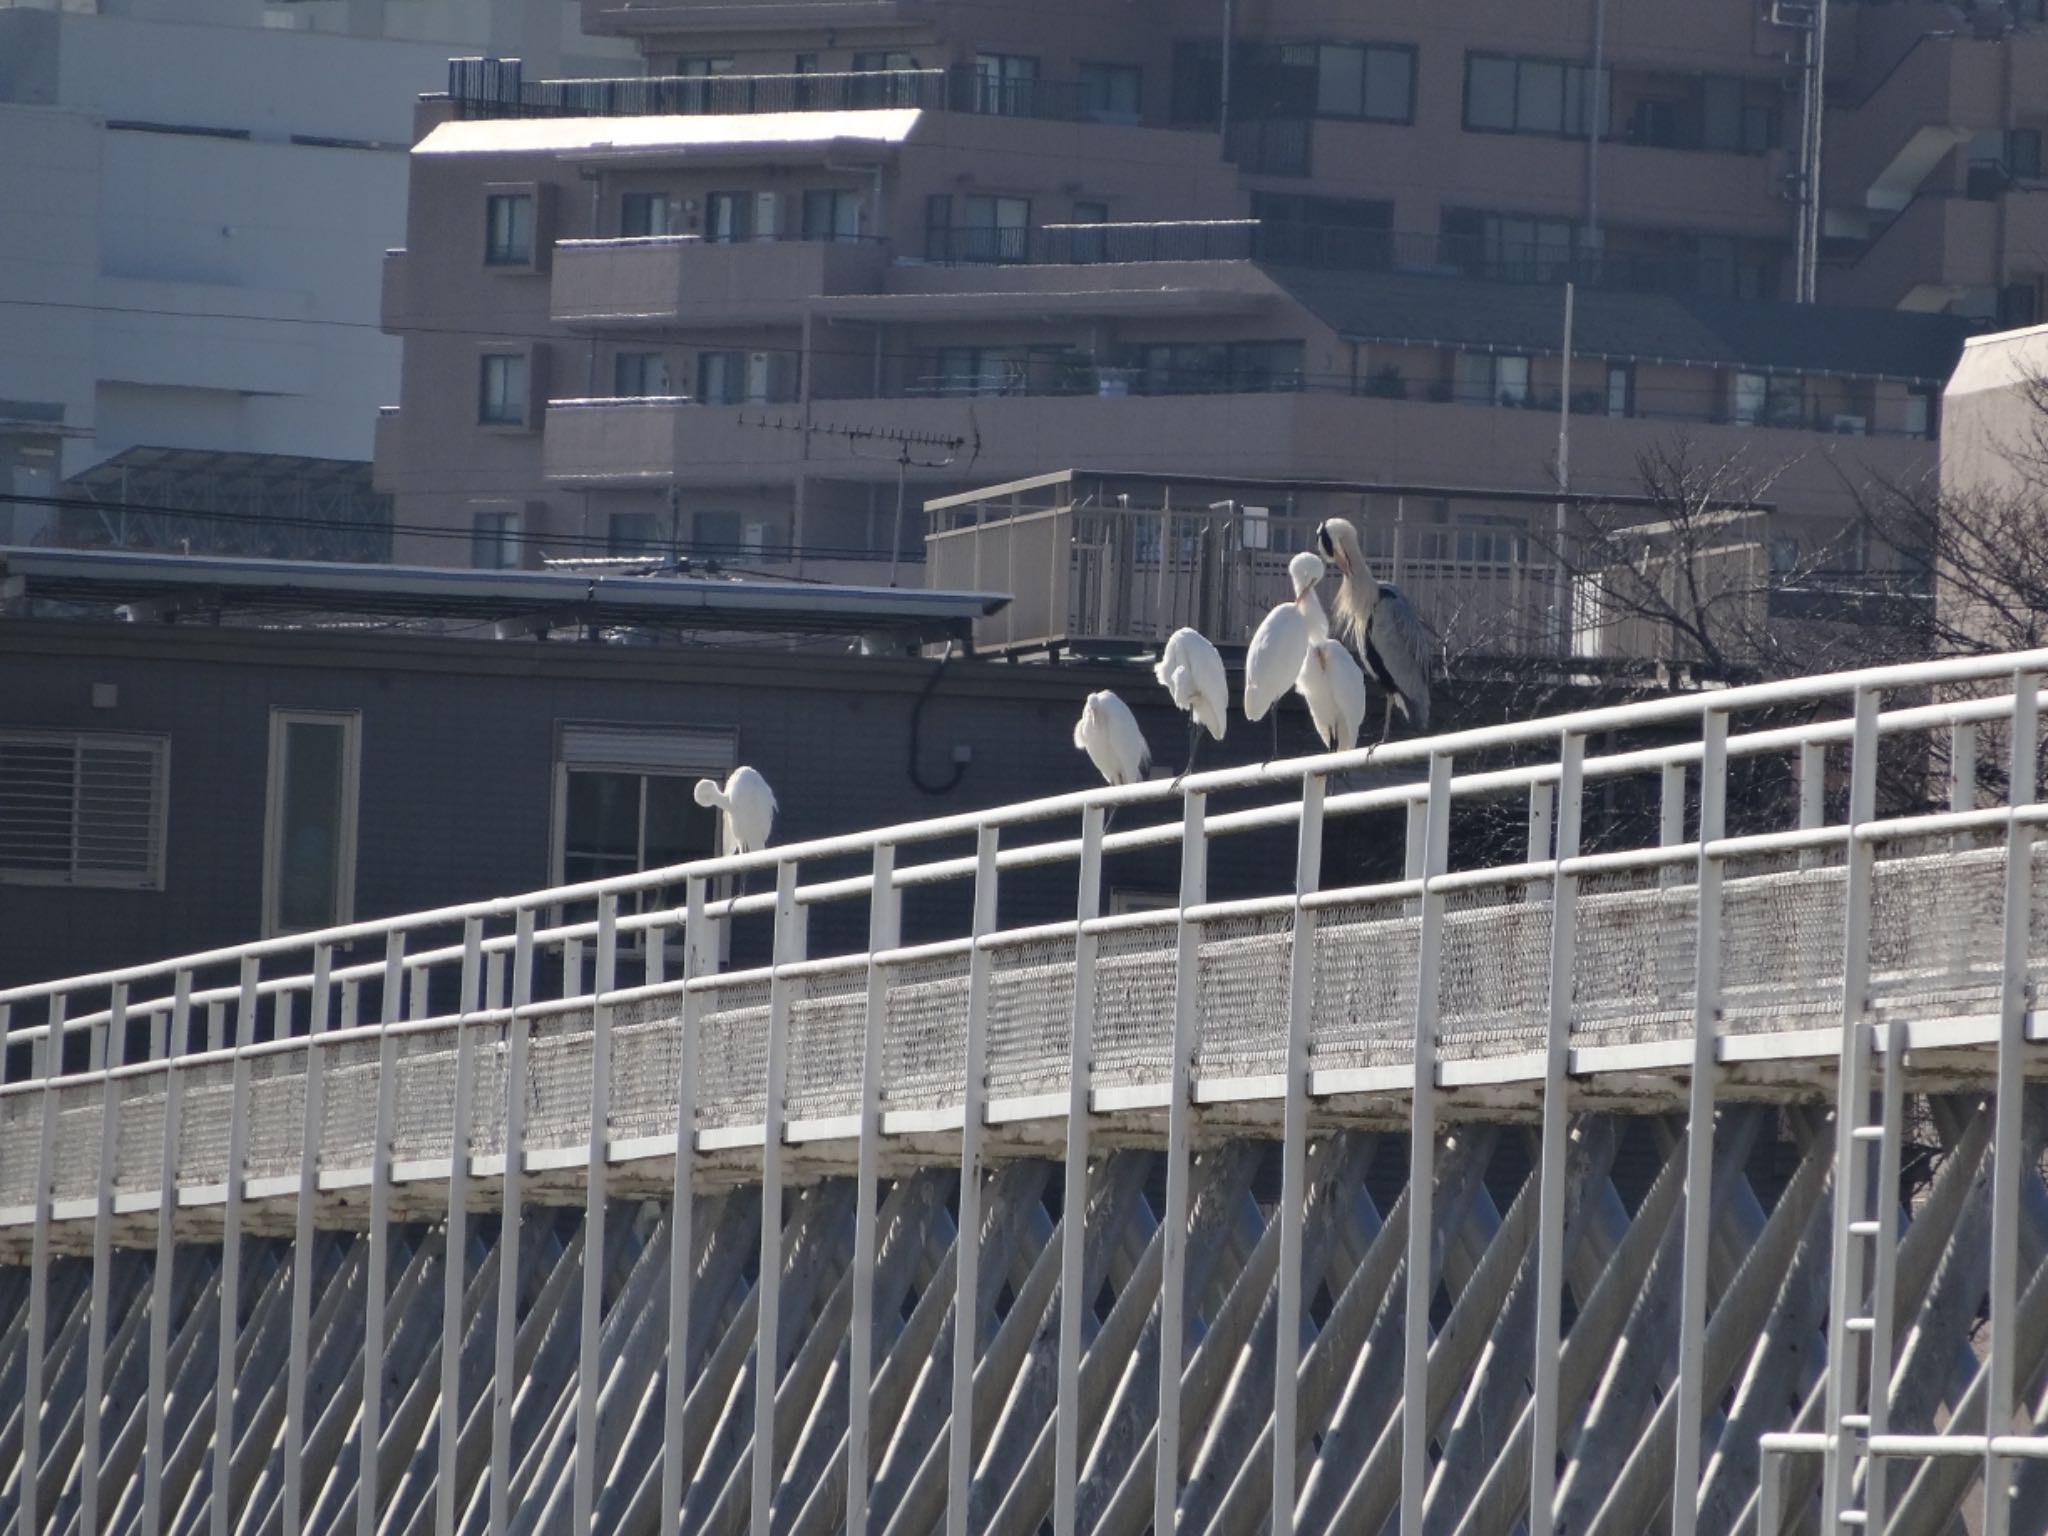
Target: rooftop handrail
x=1918, y=675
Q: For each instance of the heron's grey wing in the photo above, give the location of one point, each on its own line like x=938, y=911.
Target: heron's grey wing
x=1402, y=647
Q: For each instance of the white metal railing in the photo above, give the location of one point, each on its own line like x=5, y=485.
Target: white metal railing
x=447, y=1062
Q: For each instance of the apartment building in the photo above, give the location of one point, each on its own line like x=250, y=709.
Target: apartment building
x=824, y=262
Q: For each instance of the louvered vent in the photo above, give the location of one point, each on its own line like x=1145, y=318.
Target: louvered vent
x=82, y=809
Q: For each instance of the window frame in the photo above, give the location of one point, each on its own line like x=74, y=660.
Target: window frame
x=838, y=199
x=1406, y=52
x=506, y=258
x=506, y=538
x=1107, y=74
x=281, y=720
x=522, y=394
x=641, y=357
x=647, y=203
x=159, y=748
x=1580, y=88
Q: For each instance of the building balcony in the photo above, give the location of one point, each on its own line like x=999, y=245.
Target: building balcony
x=1938, y=250
x=684, y=279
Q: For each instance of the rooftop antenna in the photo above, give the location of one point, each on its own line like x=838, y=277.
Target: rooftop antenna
x=901, y=440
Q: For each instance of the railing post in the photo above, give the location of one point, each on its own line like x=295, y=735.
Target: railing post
x=1847, y=1376
x=597, y=1190
x=455, y=1260
x=884, y=930
x=1813, y=792
x=2009, y=1170
x=377, y=1282
x=1422, y=1245
x=1699, y=1135
x=304, y=1235
x=504, y=1385
x=91, y=1455
x=27, y=1513
x=1074, y=1249
x=1173, y=1235
x=153, y=1437
x=973, y=1130
x=1301, y=990
x=1551, y=1175
x=1670, y=817
x=698, y=961
x=223, y=1492
x=768, y=1335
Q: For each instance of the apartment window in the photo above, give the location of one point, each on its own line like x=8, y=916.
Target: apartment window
x=831, y=214
x=1516, y=95
x=1769, y=399
x=624, y=802
x=717, y=530
x=494, y=543
x=1374, y=83
x=639, y=374
x=1110, y=93
x=994, y=229
x=1507, y=247
x=82, y=808
x=736, y=378
x=508, y=224
x=1006, y=84
x=1621, y=389
x=729, y=216
x=644, y=214
x=2023, y=153
x=981, y=371
x=1238, y=367
x=703, y=67
x=893, y=86
x=1922, y=410
x=502, y=401
x=1490, y=378
x=309, y=824
x=1718, y=112
x=637, y=533
x=1314, y=231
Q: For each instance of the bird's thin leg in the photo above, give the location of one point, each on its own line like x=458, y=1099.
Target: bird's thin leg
x=1387, y=729
x=1194, y=741
x=1108, y=816
x=1273, y=714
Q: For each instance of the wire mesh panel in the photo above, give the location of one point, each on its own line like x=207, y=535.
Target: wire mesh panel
x=827, y=1037
x=139, y=1143
x=1781, y=943
x=77, y=1169
x=1494, y=975
x=1030, y=1018
x=647, y=1042
x=21, y=1134
x=423, y=1121
x=1245, y=971
x=924, y=1034
x=277, y=1114
x=487, y=1092
x=1134, y=978
x=1633, y=960
x=558, y=1080
x=205, y=1101
x=732, y=1055
x=348, y=1105
x=1937, y=928
x=1366, y=955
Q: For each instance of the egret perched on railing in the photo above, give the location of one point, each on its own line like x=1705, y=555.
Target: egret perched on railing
x=1108, y=732
x=1334, y=687
x=748, y=805
x=1383, y=624
x=1280, y=644
x=1191, y=670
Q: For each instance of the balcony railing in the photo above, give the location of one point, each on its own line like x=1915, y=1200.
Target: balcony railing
x=1072, y=244
x=493, y=88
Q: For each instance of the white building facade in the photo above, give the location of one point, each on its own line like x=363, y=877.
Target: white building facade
x=197, y=196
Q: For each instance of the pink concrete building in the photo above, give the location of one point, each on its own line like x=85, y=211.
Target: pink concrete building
x=702, y=310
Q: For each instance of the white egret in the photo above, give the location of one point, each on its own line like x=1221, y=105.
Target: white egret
x=1382, y=624
x=1280, y=644
x=1334, y=687
x=1192, y=672
x=748, y=807
x=1108, y=732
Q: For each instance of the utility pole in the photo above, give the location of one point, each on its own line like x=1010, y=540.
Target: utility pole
x=1561, y=595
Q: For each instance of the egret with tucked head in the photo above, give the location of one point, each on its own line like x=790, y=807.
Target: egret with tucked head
x=1280, y=645
x=1190, y=669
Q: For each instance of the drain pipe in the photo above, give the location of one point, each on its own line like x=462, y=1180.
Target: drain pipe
x=1223, y=105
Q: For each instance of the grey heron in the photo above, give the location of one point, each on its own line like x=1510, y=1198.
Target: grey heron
x=1382, y=624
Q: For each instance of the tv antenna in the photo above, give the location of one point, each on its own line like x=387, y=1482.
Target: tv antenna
x=904, y=441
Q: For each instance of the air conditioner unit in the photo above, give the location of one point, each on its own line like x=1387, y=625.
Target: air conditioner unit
x=1855, y=425
x=757, y=538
